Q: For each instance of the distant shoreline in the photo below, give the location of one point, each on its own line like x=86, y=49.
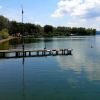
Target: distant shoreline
x=9, y=38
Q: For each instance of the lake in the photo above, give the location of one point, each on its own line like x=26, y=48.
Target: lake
x=73, y=77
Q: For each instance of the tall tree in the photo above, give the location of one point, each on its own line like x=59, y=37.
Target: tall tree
x=4, y=22
x=48, y=30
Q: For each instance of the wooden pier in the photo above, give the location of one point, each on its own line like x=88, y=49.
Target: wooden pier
x=34, y=53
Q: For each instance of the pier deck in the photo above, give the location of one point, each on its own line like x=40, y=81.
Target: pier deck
x=34, y=53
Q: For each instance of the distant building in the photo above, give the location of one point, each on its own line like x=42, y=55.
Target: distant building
x=72, y=34
x=18, y=35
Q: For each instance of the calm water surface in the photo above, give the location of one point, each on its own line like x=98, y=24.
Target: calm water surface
x=75, y=77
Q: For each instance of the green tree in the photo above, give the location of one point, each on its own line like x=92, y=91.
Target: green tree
x=4, y=23
x=14, y=27
x=38, y=31
x=48, y=29
x=4, y=33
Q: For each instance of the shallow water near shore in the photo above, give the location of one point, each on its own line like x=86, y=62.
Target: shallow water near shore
x=74, y=77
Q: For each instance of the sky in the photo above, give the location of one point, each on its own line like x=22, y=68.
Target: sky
x=69, y=13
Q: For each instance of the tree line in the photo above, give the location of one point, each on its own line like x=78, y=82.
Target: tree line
x=29, y=29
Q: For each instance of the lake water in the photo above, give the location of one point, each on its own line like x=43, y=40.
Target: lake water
x=73, y=77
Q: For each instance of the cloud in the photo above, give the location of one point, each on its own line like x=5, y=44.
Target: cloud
x=79, y=13
x=77, y=8
x=98, y=19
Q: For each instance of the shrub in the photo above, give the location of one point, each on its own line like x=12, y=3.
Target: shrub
x=4, y=33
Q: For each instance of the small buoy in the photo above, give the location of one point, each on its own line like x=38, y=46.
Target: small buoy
x=91, y=46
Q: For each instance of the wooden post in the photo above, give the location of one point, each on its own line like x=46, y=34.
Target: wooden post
x=50, y=52
x=4, y=54
x=43, y=53
x=37, y=53
x=56, y=52
x=69, y=52
x=16, y=54
x=53, y=52
x=29, y=53
x=62, y=52
x=25, y=53
x=0, y=55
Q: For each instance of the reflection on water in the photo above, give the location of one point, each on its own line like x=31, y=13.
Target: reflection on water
x=4, y=46
x=84, y=58
x=75, y=77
